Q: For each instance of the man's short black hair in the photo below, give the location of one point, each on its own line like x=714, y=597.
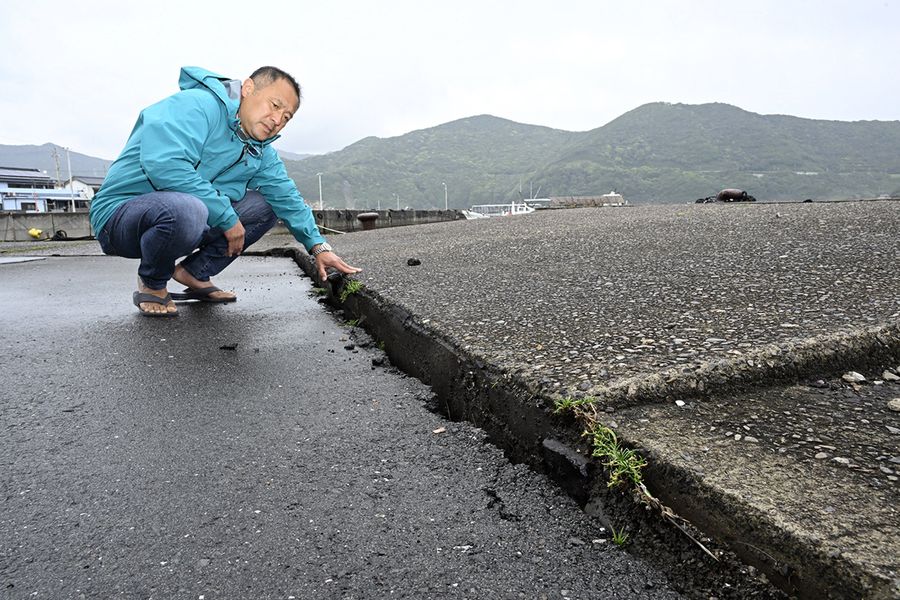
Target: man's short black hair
x=263, y=76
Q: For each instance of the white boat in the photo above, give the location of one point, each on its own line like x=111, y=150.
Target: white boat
x=500, y=210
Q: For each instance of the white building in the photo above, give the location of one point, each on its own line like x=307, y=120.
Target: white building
x=84, y=185
x=31, y=190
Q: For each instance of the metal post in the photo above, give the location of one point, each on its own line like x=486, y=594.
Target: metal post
x=319, y=175
x=71, y=183
x=56, y=160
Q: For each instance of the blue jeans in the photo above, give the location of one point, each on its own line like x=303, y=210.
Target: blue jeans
x=161, y=227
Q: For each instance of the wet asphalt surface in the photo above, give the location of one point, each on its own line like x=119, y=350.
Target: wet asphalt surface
x=247, y=451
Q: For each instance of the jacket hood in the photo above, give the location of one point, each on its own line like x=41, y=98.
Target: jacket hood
x=227, y=90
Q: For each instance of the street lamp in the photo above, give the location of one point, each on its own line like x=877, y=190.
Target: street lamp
x=319, y=175
x=445, y=194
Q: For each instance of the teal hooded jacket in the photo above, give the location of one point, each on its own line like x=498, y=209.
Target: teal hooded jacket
x=188, y=143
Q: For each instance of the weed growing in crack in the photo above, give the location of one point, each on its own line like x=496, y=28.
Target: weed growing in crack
x=352, y=287
x=562, y=405
x=618, y=537
x=353, y=322
x=318, y=291
x=624, y=464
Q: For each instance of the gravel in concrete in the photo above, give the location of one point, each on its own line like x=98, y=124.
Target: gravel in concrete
x=821, y=459
x=577, y=300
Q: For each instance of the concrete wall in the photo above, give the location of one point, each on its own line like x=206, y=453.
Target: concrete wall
x=346, y=220
x=15, y=226
x=585, y=201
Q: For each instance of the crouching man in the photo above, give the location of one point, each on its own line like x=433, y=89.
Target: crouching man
x=198, y=178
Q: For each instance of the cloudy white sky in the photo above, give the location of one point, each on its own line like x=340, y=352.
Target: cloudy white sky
x=77, y=73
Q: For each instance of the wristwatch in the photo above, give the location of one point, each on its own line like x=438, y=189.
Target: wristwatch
x=320, y=248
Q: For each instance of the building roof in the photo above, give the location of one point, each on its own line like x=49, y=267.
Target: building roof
x=91, y=180
x=17, y=175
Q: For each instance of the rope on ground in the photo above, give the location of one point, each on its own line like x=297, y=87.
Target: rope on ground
x=62, y=236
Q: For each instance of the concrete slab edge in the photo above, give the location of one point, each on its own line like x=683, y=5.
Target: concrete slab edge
x=519, y=420
x=852, y=349
x=795, y=563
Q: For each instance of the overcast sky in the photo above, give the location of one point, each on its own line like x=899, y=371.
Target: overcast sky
x=78, y=73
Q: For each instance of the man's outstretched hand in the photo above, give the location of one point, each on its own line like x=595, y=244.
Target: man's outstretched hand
x=330, y=259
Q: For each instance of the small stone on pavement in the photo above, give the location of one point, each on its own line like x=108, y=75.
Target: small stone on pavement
x=853, y=377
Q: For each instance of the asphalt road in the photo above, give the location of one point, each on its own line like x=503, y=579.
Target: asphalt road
x=244, y=451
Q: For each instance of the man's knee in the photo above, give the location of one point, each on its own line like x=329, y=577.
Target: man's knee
x=253, y=209
x=188, y=216
x=185, y=208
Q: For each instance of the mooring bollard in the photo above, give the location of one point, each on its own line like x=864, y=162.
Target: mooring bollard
x=367, y=219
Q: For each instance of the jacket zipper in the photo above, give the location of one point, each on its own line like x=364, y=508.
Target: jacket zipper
x=228, y=168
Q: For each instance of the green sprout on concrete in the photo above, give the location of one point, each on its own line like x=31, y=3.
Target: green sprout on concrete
x=381, y=345
x=352, y=287
x=624, y=464
x=318, y=291
x=618, y=537
x=353, y=322
x=566, y=404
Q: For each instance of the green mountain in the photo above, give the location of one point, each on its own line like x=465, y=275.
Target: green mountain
x=51, y=159
x=658, y=152
x=481, y=159
x=655, y=153
x=285, y=155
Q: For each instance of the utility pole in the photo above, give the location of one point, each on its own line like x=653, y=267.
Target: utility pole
x=445, y=194
x=319, y=175
x=71, y=183
x=398, y=201
x=56, y=160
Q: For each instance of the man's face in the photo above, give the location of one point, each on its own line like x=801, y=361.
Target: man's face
x=266, y=110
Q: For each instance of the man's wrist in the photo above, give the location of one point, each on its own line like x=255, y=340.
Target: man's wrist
x=318, y=249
